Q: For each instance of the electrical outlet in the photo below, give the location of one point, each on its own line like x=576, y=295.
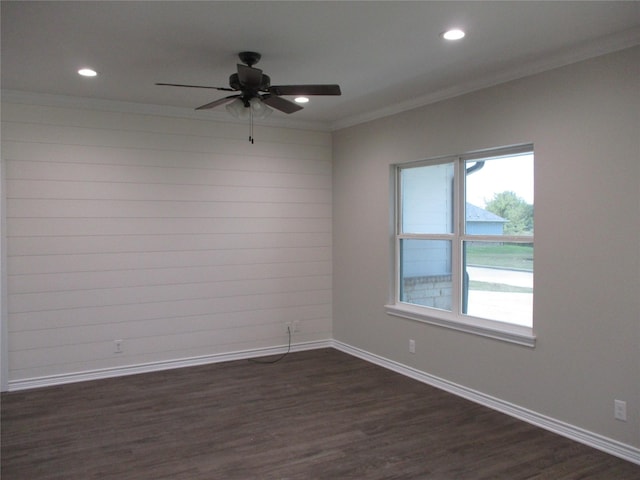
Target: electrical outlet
x=620, y=410
x=412, y=346
x=117, y=346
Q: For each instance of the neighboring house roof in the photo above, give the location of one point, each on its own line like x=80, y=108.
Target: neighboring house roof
x=477, y=214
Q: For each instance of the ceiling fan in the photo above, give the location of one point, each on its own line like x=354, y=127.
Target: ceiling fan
x=254, y=88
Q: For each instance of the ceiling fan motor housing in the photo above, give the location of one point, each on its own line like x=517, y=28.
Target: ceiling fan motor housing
x=234, y=82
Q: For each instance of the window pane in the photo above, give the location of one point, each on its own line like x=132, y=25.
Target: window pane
x=425, y=273
x=499, y=196
x=427, y=199
x=498, y=281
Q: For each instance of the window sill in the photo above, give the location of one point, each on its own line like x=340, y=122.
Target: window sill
x=486, y=328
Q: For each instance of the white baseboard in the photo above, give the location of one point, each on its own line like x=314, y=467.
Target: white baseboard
x=572, y=432
x=52, y=380
x=605, y=444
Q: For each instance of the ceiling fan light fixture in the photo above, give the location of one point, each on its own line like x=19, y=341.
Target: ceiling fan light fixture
x=237, y=109
x=453, y=34
x=256, y=108
x=259, y=109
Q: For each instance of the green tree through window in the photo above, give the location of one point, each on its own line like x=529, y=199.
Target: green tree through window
x=516, y=210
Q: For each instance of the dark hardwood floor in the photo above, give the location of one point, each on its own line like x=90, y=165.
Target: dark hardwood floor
x=319, y=414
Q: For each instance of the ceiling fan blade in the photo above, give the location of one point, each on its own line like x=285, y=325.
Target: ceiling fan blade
x=249, y=77
x=281, y=104
x=195, y=86
x=215, y=103
x=305, y=90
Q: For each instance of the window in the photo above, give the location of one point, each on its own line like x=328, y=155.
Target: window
x=464, y=243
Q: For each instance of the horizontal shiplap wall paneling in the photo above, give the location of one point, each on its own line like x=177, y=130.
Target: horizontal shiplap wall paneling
x=176, y=236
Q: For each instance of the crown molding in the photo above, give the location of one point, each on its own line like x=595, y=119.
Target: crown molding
x=67, y=101
x=601, y=46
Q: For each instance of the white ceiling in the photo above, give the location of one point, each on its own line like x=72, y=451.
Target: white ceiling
x=387, y=56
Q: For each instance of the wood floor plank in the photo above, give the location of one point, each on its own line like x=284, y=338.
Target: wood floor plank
x=319, y=414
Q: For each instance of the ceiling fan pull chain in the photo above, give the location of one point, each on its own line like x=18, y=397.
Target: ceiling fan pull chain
x=251, y=125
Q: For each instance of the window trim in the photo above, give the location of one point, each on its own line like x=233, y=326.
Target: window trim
x=503, y=331
x=478, y=326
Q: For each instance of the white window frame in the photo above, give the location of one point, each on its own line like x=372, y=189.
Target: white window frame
x=454, y=319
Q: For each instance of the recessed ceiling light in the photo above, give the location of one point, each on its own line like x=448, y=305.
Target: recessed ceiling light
x=453, y=34
x=87, y=72
x=301, y=100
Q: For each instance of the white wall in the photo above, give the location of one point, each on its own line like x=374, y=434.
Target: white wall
x=583, y=122
x=175, y=235
x=181, y=238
